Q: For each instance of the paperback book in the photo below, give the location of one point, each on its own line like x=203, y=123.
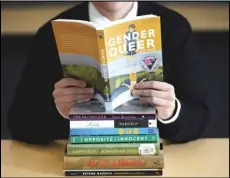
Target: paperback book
x=111, y=59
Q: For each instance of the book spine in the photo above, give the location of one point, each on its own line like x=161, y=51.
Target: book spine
x=103, y=63
x=115, y=145
x=111, y=117
x=114, y=139
x=113, y=149
x=114, y=162
x=113, y=131
x=102, y=173
x=113, y=124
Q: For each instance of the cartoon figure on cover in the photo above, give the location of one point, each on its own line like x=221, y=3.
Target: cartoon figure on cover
x=131, y=52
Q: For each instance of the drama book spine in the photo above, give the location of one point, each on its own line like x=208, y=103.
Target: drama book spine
x=111, y=116
x=113, y=162
x=103, y=62
x=119, y=172
x=114, y=139
x=113, y=149
x=113, y=124
x=113, y=131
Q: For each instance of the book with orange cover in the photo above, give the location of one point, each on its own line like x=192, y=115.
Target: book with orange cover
x=111, y=59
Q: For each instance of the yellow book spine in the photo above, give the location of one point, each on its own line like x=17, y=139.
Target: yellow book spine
x=103, y=63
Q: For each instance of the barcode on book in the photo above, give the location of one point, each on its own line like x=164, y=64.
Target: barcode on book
x=148, y=149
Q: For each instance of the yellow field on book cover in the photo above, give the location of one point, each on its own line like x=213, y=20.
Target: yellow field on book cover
x=111, y=59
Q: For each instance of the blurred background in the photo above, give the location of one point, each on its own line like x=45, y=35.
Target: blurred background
x=209, y=20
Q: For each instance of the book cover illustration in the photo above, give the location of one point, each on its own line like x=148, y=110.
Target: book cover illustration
x=111, y=60
x=96, y=107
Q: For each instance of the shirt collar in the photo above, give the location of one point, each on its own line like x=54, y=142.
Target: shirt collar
x=96, y=17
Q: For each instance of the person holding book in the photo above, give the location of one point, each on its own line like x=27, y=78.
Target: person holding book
x=43, y=97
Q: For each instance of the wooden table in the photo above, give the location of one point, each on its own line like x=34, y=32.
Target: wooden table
x=203, y=158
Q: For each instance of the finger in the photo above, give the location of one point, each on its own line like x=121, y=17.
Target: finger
x=67, y=82
x=72, y=91
x=82, y=101
x=66, y=104
x=65, y=108
x=157, y=101
x=155, y=93
x=71, y=98
x=164, y=112
x=157, y=85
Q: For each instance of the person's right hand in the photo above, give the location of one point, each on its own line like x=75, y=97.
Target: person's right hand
x=67, y=91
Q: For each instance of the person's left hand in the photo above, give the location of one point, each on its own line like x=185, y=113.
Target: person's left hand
x=159, y=94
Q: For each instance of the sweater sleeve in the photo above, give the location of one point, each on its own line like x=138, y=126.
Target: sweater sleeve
x=33, y=116
x=185, y=70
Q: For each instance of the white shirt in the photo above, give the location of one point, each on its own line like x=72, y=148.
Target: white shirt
x=96, y=17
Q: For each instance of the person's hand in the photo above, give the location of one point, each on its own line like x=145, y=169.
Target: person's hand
x=67, y=91
x=159, y=94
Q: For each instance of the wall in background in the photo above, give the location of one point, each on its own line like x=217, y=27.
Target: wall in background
x=27, y=17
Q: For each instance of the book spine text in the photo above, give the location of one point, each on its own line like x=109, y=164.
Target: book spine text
x=114, y=162
x=112, y=117
x=113, y=149
x=113, y=124
x=113, y=131
x=101, y=173
x=103, y=62
x=114, y=139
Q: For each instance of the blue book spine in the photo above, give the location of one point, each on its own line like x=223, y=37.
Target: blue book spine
x=113, y=131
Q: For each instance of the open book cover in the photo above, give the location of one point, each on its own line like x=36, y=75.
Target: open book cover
x=113, y=59
x=134, y=106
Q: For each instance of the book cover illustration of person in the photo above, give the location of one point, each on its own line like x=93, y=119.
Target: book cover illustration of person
x=131, y=51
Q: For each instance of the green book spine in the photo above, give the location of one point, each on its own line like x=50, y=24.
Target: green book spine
x=113, y=149
x=114, y=139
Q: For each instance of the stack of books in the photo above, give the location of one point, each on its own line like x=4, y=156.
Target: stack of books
x=113, y=134
x=117, y=143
